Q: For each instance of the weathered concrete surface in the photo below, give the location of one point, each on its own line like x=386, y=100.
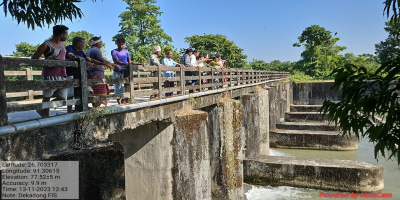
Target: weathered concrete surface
x=278, y=102
x=306, y=139
x=342, y=175
x=312, y=126
x=305, y=117
x=191, y=160
x=36, y=144
x=101, y=170
x=148, y=160
x=33, y=145
x=314, y=93
x=274, y=116
x=256, y=122
x=226, y=143
x=305, y=108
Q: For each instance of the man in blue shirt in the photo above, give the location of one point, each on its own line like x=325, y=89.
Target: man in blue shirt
x=73, y=52
x=167, y=61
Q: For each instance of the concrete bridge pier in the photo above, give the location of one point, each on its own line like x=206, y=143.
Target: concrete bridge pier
x=255, y=122
x=168, y=160
x=191, y=157
x=148, y=160
x=280, y=98
x=226, y=143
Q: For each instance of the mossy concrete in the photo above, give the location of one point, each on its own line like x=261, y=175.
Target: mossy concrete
x=314, y=93
x=101, y=170
x=166, y=147
x=279, y=102
x=305, y=108
x=312, y=126
x=256, y=123
x=318, y=140
x=226, y=143
x=305, y=117
x=191, y=160
x=341, y=175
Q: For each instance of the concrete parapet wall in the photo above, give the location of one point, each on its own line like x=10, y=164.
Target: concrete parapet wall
x=342, y=175
x=313, y=93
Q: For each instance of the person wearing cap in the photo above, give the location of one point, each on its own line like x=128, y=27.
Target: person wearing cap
x=97, y=71
x=155, y=61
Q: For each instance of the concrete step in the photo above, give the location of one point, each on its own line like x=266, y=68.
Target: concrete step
x=340, y=175
x=304, y=108
x=306, y=139
x=313, y=126
x=305, y=117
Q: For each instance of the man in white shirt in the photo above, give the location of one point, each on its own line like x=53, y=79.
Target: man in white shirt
x=193, y=60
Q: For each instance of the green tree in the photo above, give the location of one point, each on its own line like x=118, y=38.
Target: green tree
x=368, y=61
x=275, y=65
x=141, y=29
x=218, y=45
x=41, y=13
x=258, y=64
x=390, y=48
x=24, y=49
x=370, y=105
x=321, y=54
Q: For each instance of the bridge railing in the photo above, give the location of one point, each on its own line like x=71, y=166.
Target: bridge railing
x=140, y=81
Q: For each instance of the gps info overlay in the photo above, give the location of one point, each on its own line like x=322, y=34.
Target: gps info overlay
x=39, y=180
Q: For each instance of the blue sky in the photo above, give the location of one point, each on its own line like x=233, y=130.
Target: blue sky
x=265, y=29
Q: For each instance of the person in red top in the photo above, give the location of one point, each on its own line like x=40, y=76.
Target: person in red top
x=53, y=49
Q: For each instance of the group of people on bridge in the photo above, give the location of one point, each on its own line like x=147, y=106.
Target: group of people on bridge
x=54, y=48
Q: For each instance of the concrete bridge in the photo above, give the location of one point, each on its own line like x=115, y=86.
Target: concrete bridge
x=200, y=145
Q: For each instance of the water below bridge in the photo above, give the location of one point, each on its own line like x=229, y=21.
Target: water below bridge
x=365, y=152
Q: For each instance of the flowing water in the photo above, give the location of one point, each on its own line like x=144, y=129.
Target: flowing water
x=365, y=152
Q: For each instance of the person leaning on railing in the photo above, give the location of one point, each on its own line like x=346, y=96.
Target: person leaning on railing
x=75, y=51
x=186, y=61
x=216, y=65
x=53, y=49
x=121, y=57
x=155, y=61
x=168, y=62
x=97, y=71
